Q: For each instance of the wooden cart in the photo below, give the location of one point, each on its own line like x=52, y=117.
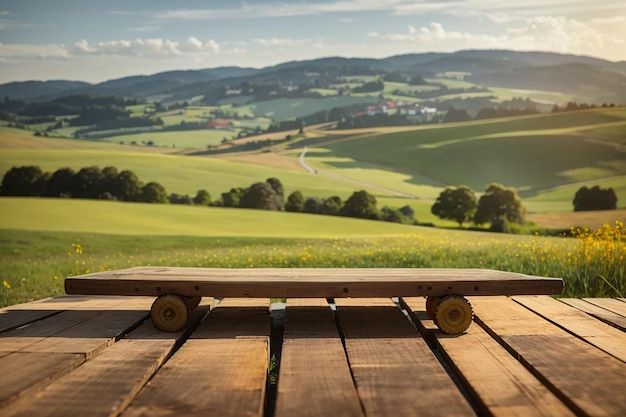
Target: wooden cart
x=179, y=289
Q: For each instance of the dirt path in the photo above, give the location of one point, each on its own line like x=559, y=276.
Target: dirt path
x=350, y=180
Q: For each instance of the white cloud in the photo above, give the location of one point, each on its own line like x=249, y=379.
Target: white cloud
x=279, y=9
x=541, y=33
x=156, y=47
x=498, y=11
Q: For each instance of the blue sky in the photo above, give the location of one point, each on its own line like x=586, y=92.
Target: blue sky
x=96, y=41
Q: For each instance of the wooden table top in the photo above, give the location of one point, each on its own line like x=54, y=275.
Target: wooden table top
x=309, y=282
x=523, y=355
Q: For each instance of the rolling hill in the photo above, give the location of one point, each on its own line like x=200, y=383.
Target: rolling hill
x=531, y=153
x=507, y=66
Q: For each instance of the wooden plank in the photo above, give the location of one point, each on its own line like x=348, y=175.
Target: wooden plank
x=605, y=315
x=75, y=331
x=309, y=282
x=26, y=372
x=610, y=304
x=18, y=315
x=49, y=348
x=498, y=383
x=104, y=385
x=314, y=377
x=221, y=370
x=82, y=302
x=601, y=335
x=12, y=319
x=588, y=380
x=395, y=371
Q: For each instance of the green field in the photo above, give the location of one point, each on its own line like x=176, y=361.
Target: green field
x=286, y=109
x=531, y=153
x=179, y=139
x=45, y=240
x=415, y=163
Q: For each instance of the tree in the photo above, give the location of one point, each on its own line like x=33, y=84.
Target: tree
x=407, y=212
x=176, y=198
x=295, y=202
x=127, y=186
x=202, y=198
x=232, y=198
x=60, y=183
x=455, y=203
x=153, y=192
x=369, y=87
x=260, y=195
x=277, y=186
x=454, y=115
x=109, y=176
x=595, y=198
x=313, y=205
x=499, y=202
x=392, y=215
x=22, y=181
x=360, y=204
x=418, y=80
x=88, y=183
x=331, y=205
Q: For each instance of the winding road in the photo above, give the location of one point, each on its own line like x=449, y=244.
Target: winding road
x=350, y=180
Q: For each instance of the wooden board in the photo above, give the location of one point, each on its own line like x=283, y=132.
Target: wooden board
x=611, y=304
x=601, y=335
x=314, y=377
x=309, y=282
x=220, y=370
x=605, y=315
x=104, y=385
x=499, y=384
x=394, y=370
x=588, y=380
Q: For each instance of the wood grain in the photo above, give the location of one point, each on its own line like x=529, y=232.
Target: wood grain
x=314, y=375
x=605, y=315
x=220, y=370
x=395, y=371
x=601, y=335
x=309, y=282
x=499, y=384
x=611, y=304
x=105, y=384
x=588, y=380
x=47, y=349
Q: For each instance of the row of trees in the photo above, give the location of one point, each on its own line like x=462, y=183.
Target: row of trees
x=269, y=195
x=92, y=183
x=595, y=198
x=498, y=206
x=109, y=184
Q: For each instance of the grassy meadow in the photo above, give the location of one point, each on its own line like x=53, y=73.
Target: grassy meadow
x=531, y=153
x=69, y=237
x=547, y=157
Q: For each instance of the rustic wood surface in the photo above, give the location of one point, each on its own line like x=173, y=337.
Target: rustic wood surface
x=309, y=282
x=523, y=356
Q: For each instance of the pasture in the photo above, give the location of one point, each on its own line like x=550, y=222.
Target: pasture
x=399, y=165
x=525, y=152
x=45, y=240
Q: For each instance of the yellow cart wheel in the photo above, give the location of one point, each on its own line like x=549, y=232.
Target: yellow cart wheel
x=169, y=313
x=193, y=302
x=453, y=314
x=431, y=305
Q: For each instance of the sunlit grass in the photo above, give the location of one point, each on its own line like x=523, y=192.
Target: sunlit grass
x=592, y=264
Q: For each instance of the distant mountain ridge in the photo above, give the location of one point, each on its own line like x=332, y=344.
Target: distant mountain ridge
x=503, y=68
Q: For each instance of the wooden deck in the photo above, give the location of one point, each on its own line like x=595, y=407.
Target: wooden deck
x=523, y=355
